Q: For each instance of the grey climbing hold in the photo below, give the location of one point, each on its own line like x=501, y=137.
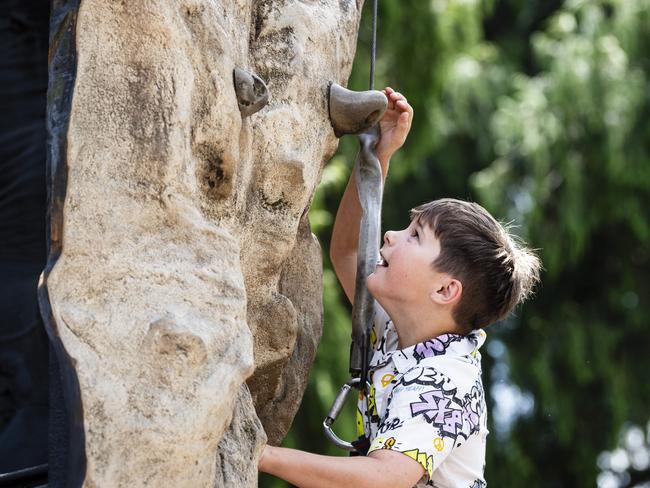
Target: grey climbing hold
x=252, y=93
x=353, y=112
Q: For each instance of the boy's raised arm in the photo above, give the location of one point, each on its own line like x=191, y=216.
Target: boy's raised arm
x=395, y=125
x=345, y=238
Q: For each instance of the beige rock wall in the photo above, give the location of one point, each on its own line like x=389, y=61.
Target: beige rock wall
x=188, y=269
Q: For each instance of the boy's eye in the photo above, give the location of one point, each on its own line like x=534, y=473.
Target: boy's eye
x=415, y=234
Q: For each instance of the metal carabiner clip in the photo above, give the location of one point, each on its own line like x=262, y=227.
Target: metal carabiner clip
x=336, y=408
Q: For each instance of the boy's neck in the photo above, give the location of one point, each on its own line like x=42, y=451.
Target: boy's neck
x=418, y=325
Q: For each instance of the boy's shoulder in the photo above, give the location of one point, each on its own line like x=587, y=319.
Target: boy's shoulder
x=450, y=362
x=445, y=374
x=449, y=358
x=457, y=348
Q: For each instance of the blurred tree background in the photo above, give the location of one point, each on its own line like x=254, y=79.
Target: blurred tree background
x=538, y=110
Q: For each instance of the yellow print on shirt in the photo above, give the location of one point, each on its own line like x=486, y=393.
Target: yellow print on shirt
x=360, y=429
x=372, y=405
x=386, y=379
x=373, y=338
x=423, y=459
x=390, y=442
x=382, y=443
x=439, y=444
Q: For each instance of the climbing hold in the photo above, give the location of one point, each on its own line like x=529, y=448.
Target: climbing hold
x=353, y=112
x=176, y=342
x=252, y=93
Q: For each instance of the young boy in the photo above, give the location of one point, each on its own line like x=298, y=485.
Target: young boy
x=450, y=273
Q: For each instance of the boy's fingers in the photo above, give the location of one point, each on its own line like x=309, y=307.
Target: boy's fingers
x=387, y=92
x=404, y=120
x=391, y=105
x=397, y=101
x=404, y=106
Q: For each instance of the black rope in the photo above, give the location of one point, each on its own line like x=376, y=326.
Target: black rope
x=35, y=476
x=373, y=45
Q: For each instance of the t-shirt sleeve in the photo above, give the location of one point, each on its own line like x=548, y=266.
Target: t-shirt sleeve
x=424, y=419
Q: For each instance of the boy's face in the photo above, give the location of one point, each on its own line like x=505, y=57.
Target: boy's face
x=407, y=276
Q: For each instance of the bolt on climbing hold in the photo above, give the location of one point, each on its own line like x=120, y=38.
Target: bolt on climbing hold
x=251, y=91
x=352, y=112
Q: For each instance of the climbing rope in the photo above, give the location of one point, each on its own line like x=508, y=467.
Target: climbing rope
x=373, y=46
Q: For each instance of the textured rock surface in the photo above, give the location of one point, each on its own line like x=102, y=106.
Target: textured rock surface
x=187, y=265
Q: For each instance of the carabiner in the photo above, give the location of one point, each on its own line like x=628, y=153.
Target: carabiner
x=336, y=408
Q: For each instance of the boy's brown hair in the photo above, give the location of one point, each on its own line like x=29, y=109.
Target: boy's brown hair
x=496, y=271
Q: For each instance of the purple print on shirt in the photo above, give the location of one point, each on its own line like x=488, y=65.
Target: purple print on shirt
x=439, y=410
x=452, y=416
x=435, y=346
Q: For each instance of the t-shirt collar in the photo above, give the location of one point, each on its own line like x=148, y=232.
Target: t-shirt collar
x=445, y=344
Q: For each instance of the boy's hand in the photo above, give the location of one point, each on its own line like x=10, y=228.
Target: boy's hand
x=395, y=125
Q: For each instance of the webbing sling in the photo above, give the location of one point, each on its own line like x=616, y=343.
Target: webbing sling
x=369, y=188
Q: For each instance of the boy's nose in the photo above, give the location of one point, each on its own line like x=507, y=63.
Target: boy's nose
x=389, y=237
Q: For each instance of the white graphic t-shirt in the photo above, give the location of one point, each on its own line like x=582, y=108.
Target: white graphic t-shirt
x=426, y=401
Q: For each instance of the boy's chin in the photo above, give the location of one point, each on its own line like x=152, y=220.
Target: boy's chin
x=371, y=284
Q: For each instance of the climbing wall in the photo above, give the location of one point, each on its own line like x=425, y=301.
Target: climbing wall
x=183, y=287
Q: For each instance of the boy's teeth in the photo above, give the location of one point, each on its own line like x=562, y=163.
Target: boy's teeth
x=381, y=262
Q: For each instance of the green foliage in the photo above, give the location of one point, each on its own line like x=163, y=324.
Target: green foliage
x=571, y=166
x=539, y=111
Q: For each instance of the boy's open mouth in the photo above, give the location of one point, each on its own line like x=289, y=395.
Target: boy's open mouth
x=382, y=261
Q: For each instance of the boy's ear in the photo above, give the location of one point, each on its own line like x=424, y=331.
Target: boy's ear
x=447, y=292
